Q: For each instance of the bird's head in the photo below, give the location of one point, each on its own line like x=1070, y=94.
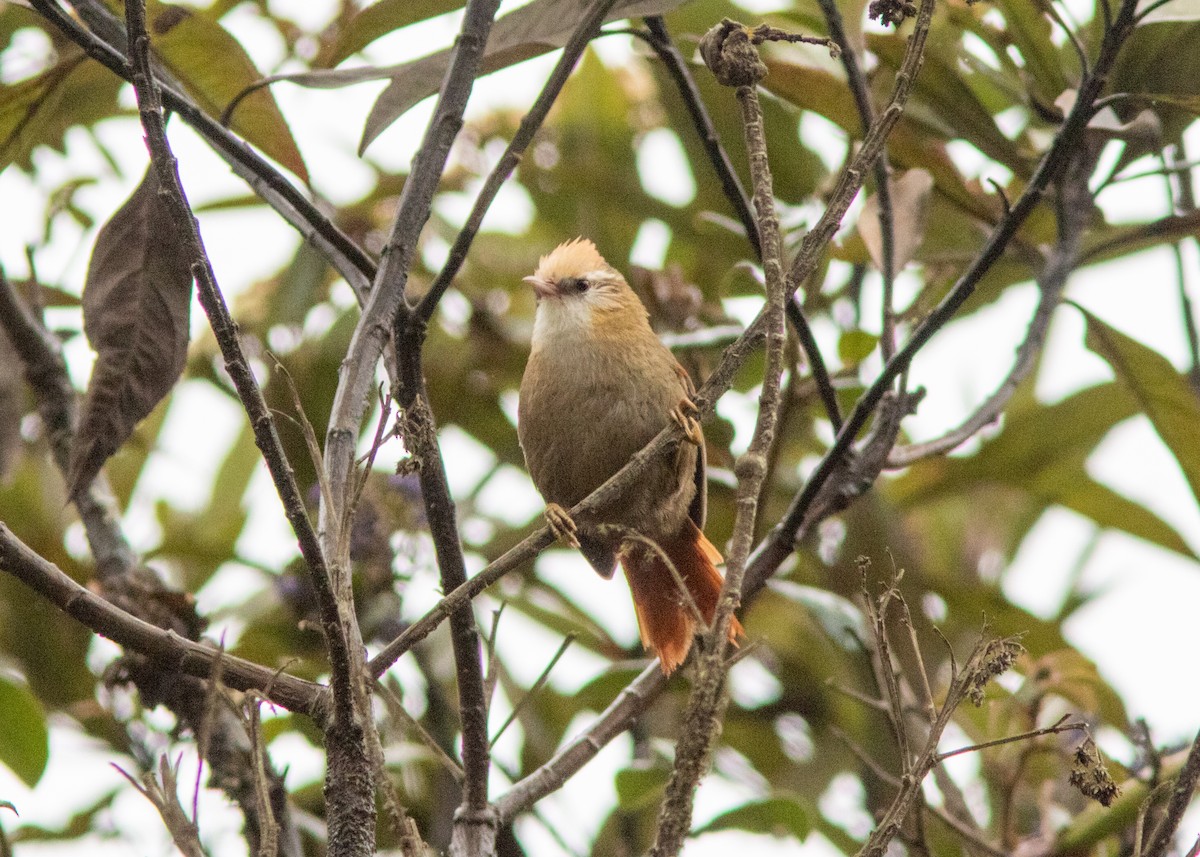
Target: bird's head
x=579, y=293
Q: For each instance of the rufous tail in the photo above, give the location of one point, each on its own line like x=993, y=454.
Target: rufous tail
x=665, y=619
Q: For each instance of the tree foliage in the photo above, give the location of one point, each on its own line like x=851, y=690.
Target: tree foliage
x=379, y=366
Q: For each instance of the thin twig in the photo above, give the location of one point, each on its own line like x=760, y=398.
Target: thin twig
x=162, y=793
x=1055, y=729
x=397, y=711
x=706, y=706
x=1073, y=213
x=588, y=27
x=778, y=546
x=1181, y=797
x=883, y=190
x=1183, y=201
x=350, y=260
x=1080, y=53
x=534, y=688
x=268, y=831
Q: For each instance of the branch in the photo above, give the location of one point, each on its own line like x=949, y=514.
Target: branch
x=46, y=373
x=629, y=705
x=866, y=116
x=1074, y=209
x=350, y=799
x=1181, y=797
x=150, y=112
x=724, y=45
x=778, y=545
x=166, y=649
x=677, y=68
x=660, y=39
x=357, y=378
x=350, y=260
x=588, y=27
x=162, y=792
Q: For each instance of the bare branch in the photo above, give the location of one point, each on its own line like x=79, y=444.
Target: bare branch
x=350, y=260
x=1181, y=797
x=1075, y=205
x=588, y=27
x=778, y=545
x=724, y=45
x=162, y=792
x=46, y=373
x=866, y=116
x=162, y=647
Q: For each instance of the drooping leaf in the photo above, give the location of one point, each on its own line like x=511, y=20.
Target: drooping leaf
x=1042, y=452
x=780, y=815
x=215, y=69
x=910, y=207
x=1030, y=30
x=1164, y=394
x=530, y=31
x=379, y=19
x=24, y=741
x=136, y=305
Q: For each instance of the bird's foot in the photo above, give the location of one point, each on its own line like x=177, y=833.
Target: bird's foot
x=684, y=415
x=561, y=524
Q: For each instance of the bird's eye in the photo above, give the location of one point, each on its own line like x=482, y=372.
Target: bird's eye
x=575, y=285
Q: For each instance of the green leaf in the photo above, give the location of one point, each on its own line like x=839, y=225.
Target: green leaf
x=837, y=616
x=641, y=786
x=1140, y=69
x=781, y=815
x=1030, y=30
x=854, y=346
x=40, y=110
x=1162, y=392
x=24, y=741
x=1042, y=452
x=215, y=69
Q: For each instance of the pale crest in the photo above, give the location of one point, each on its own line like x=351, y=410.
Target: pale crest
x=570, y=259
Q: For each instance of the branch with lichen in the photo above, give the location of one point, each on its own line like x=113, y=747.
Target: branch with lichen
x=728, y=49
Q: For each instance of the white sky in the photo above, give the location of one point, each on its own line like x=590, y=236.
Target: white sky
x=1142, y=617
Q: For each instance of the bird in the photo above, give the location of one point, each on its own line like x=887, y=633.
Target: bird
x=598, y=386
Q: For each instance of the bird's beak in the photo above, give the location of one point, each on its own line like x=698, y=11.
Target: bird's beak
x=542, y=287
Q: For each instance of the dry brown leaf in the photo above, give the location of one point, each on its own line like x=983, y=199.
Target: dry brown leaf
x=530, y=31
x=136, y=307
x=910, y=206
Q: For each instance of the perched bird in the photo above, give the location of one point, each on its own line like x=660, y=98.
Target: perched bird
x=598, y=387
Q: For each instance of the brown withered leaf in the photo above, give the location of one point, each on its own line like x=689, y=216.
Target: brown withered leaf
x=136, y=305
x=910, y=205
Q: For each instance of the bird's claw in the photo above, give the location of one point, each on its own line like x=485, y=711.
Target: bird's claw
x=561, y=524
x=684, y=415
